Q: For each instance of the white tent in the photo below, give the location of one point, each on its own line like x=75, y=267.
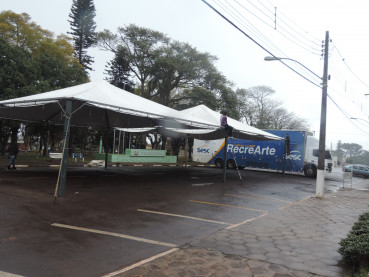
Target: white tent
x=101, y=104
x=241, y=130
x=97, y=104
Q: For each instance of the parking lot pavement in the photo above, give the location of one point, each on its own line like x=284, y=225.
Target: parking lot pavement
x=299, y=240
x=114, y=218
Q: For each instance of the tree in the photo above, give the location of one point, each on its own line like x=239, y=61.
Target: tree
x=195, y=96
x=140, y=47
x=178, y=65
x=18, y=77
x=363, y=158
x=260, y=110
x=83, y=30
x=119, y=73
x=19, y=30
x=32, y=61
x=161, y=66
x=353, y=149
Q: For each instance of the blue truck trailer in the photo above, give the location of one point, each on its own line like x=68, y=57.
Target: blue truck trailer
x=265, y=155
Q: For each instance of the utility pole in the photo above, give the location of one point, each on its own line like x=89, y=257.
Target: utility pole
x=323, y=117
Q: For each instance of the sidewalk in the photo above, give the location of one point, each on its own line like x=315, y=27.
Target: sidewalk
x=299, y=240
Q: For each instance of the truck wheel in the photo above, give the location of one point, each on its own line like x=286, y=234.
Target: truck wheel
x=219, y=163
x=310, y=171
x=231, y=164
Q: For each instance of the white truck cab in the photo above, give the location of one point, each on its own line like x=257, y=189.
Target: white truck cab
x=311, y=157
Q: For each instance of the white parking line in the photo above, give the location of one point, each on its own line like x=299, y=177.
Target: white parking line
x=113, y=234
x=263, y=197
x=115, y=273
x=185, y=216
x=246, y=221
x=7, y=274
x=202, y=184
x=232, y=206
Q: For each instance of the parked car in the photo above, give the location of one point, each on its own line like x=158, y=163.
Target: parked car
x=357, y=170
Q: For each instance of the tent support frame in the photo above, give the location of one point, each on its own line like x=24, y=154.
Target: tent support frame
x=61, y=183
x=107, y=139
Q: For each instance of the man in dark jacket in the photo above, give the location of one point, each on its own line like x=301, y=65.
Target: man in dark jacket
x=13, y=152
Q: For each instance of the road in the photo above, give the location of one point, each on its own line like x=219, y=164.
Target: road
x=113, y=218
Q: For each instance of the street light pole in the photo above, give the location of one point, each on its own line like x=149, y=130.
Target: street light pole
x=323, y=116
x=288, y=59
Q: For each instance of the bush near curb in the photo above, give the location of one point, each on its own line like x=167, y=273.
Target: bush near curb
x=355, y=248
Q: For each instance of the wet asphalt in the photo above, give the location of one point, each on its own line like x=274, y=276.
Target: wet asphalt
x=115, y=217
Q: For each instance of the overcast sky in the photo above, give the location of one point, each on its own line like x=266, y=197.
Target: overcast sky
x=296, y=32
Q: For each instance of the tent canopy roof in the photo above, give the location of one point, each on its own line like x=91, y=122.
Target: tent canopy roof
x=97, y=104
x=101, y=104
x=241, y=130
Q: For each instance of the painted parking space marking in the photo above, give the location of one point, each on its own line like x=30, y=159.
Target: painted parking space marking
x=246, y=221
x=185, y=216
x=202, y=184
x=7, y=274
x=225, y=205
x=259, y=198
x=113, y=234
x=269, y=198
x=115, y=273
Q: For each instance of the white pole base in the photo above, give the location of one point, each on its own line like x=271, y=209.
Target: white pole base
x=320, y=184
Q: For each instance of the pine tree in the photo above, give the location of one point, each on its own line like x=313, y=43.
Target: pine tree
x=83, y=30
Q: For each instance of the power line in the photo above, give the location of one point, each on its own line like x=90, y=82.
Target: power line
x=249, y=26
x=316, y=42
x=345, y=114
x=258, y=44
x=349, y=68
x=295, y=40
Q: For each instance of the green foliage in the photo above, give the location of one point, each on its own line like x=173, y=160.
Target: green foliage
x=18, y=71
x=83, y=30
x=193, y=97
x=19, y=30
x=141, y=48
x=119, y=72
x=32, y=61
x=355, y=247
x=363, y=158
x=168, y=71
x=259, y=109
x=353, y=149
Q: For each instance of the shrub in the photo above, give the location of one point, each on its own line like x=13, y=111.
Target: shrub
x=355, y=248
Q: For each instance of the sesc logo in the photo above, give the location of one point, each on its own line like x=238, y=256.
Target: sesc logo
x=203, y=149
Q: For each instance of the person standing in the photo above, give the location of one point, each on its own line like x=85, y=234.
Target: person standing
x=13, y=150
x=224, y=123
x=288, y=145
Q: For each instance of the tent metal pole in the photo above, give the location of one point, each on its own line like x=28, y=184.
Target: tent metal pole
x=120, y=133
x=114, y=141
x=63, y=165
x=107, y=139
x=186, y=149
x=123, y=138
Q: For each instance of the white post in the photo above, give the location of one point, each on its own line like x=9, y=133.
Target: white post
x=320, y=184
